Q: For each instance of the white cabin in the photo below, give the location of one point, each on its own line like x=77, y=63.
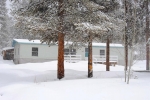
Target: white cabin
x=26, y=51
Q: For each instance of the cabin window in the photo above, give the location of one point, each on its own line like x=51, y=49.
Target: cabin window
x=73, y=51
x=34, y=51
x=102, y=52
x=66, y=51
x=86, y=52
x=69, y=51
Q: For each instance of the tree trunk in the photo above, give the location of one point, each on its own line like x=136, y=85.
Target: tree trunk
x=60, y=71
x=147, y=35
x=132, y=43
x=60, y=66
x=125, y=41
x=90, y=67
x=107, y=54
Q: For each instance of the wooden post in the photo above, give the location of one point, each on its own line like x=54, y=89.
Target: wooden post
x=107, y=54
x=60, y=66
x=90, y=67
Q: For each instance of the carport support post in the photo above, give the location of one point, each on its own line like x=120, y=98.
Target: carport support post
x=90, y=67
x=60, y=66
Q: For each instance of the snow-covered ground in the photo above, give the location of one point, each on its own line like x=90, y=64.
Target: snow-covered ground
x=38, y=81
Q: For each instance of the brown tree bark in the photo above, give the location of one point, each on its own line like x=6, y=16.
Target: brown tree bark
x=126, y=40
x=60, y=66
x=107, y=54
x=90, y=67
x=147, y=35
x=60, y=70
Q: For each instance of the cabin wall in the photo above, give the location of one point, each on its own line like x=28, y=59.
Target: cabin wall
x=114, y=51
x=45, y=53
x=23, y=53
x=118, y=51
x=17, y=54
x=81, y=51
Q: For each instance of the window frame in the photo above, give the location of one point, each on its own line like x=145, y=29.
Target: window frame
x=86, y=52
x=35, y=52
x=102, y=53
x=69, y=51
x=66, y=51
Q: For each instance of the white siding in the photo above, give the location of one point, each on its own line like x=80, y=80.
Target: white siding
x=81, y=51
x=114, y=51
x=44, y=51
x=16, y=55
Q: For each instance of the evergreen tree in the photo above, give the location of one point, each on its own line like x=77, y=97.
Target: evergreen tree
x=4, y=40
x=59, y=19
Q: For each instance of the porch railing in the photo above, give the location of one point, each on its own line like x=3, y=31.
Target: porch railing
x=72, y=58
x=98, y=58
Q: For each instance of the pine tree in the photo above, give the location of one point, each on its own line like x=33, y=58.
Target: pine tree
x=4, y=40
x=57, y=20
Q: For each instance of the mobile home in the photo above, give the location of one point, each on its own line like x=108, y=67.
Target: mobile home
x=26, y=51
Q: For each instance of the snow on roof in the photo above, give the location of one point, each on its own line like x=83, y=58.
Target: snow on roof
x=38, y=42
x=27, y=41
x=104, y=44
x=7, y=48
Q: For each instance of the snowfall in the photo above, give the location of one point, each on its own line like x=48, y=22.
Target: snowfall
x=38, y=81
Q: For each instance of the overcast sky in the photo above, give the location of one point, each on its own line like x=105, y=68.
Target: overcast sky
x=7, y=3
x=8, y=6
